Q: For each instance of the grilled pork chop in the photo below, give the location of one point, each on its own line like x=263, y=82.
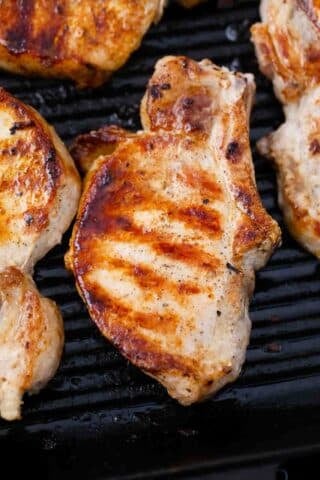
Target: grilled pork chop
x=39, y=193
x=287, y=43
x=170, y=229
x=85, y=40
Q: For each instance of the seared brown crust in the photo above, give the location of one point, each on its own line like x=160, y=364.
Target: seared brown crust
x=85, y=41
x=188, y=110
x=32, y=169
x=170, y=227
x=40, y=177
x=89, y=146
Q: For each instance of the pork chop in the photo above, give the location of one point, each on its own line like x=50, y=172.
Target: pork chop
x=85, y=40
x=170, y=229
x=287, y=43
x=39, y=193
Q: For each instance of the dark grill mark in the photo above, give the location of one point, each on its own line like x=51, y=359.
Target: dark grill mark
x=188, y=254
x=185, y=63
x=187, y=103
x=18, y=36
x=105, y=179
x=202, y=182
x=21, y=126
x=58, y=9
x=36, y=218
x=233, y=152
x=314, y=147
x=103, y=304
x=244, y=197
x=9, y=151
x=52, y=166
x=194, y=112
x=207, y=219
x=28, y=219
x=123, y=223
x=155, y=92
x=188, y=289
x=232, y=268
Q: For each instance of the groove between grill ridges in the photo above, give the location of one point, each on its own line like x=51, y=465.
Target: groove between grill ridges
x=284, y=329
x=283, y=370
x=286, y=292
x=287, y=310
x=196, y=21
x=89, y=398
x=292, y=348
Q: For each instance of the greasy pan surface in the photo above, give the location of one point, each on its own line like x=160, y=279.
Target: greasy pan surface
x=96, y=398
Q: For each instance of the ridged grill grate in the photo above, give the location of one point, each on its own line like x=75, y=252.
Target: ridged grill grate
x=96, y=393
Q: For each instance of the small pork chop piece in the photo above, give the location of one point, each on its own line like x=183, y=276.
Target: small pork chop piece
x=287, y=45
x=295, y=150
x=85, y=40
x=288, y=48
x=170, y=229
x=39, y=194
x=31, y=340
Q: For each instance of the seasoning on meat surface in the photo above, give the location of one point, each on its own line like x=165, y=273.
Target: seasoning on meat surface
x=170, y=229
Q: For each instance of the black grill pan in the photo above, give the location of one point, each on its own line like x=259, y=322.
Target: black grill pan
x=100, y=417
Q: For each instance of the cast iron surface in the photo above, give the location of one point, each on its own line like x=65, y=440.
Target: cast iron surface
x=100, y=414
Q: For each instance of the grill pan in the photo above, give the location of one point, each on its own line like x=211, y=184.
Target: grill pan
x=102, y=418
